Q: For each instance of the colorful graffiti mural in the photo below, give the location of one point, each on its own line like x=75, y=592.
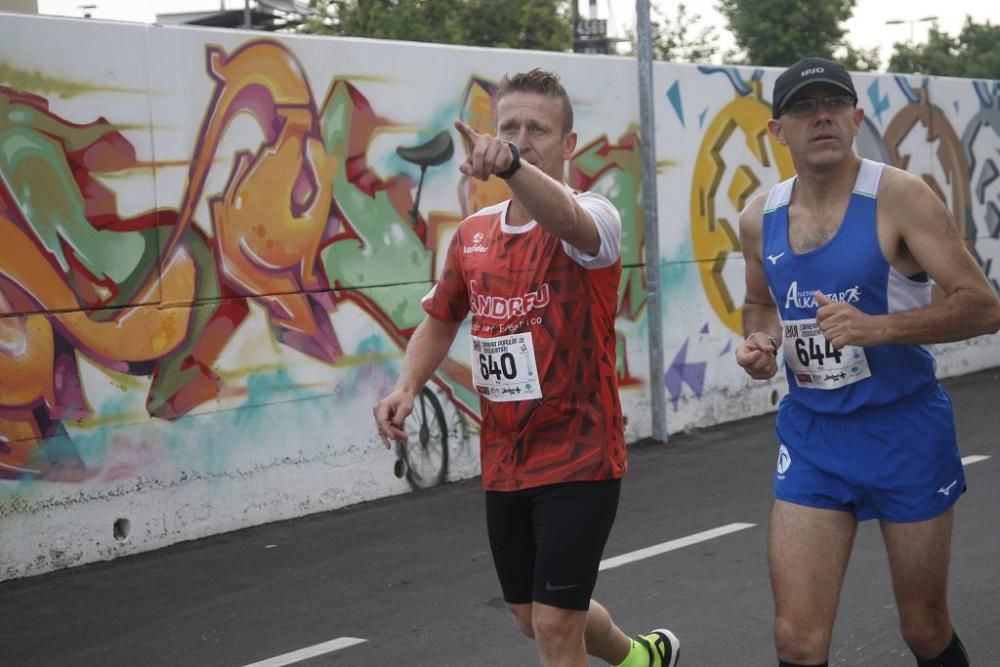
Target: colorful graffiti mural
x=301, y=223
x=212, y=255
x=918, y=136
x=981, y=149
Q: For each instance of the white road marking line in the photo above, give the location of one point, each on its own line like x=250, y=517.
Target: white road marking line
x=606, y=564
x=308, y=652
x=679, y=543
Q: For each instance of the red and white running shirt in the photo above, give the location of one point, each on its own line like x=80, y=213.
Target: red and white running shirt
x=543, y=345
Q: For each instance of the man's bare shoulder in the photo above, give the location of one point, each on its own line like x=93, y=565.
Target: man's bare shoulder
x=752, y=215
x=900, y=184
x=752, y=226
x=907, y=197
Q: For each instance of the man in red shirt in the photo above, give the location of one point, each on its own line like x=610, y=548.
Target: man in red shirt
x=540, y=274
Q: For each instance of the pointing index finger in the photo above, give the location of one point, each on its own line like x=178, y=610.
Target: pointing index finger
x=467, y=132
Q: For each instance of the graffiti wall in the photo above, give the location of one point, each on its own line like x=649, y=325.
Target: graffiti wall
x=716, y=154
x=213, y=246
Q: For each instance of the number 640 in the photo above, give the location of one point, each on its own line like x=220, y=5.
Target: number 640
x=506, y=368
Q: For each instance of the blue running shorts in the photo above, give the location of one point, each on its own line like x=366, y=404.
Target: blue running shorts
x=898, y=462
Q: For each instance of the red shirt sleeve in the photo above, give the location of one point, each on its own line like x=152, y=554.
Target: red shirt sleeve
x=448, y=300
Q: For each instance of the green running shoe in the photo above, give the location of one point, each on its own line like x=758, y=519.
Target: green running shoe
x=663, y=646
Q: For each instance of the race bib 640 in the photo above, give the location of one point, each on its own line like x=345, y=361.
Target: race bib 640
x=504, y=369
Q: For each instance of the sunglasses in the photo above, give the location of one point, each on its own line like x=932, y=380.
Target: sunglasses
x=807, y=105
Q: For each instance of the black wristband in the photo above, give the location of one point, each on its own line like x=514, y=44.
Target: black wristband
x=515, y=161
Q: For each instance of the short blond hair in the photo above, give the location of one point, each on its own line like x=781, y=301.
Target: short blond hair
x=540, y=82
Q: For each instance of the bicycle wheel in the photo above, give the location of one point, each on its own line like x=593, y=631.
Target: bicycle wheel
x=426, y=451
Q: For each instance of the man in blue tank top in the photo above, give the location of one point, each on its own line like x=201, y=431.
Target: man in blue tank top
x=839, y=264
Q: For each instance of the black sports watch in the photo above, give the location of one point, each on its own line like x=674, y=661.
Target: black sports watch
x=515, y=161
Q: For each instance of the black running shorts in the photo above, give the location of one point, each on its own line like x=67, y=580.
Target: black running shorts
x=547, y=541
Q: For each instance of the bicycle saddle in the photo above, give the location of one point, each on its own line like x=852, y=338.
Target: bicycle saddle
x=437, y=150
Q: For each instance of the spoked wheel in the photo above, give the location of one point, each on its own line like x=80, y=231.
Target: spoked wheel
x=425, y=454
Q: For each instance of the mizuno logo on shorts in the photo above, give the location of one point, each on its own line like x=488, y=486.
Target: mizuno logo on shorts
x=946, y=490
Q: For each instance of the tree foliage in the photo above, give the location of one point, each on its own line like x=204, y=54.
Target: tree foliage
x=974, y=53
x=766, y=32
x=519, y=24
x=679, y=39
x=858, y=60
x=779, y=32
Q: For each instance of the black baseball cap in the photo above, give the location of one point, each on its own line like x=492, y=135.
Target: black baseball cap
x=805, y=73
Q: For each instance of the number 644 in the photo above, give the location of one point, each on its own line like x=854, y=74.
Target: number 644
x=816, y=352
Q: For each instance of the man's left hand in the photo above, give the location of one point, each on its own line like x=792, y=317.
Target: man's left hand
x=843, y=324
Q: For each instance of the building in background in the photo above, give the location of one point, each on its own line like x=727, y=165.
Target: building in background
x=19, y=6
x=269, y=15
x=590, y=33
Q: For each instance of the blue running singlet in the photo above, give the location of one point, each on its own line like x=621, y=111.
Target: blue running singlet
x=865, y=430
x=849, y=267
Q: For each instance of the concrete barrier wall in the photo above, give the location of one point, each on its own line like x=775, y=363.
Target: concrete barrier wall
x=211, y=259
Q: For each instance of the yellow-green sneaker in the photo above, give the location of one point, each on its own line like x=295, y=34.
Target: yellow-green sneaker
x=663, y=646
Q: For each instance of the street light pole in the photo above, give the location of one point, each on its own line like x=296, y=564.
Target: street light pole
x=911, y=22
x=647, y=144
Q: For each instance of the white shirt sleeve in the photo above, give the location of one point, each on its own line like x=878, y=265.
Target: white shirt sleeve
x=609, y=228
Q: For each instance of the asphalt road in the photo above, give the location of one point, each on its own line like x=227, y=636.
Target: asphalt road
x=412, y=576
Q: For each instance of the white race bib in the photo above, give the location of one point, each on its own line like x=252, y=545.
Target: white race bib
x=504, y=369
x=814, y=362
